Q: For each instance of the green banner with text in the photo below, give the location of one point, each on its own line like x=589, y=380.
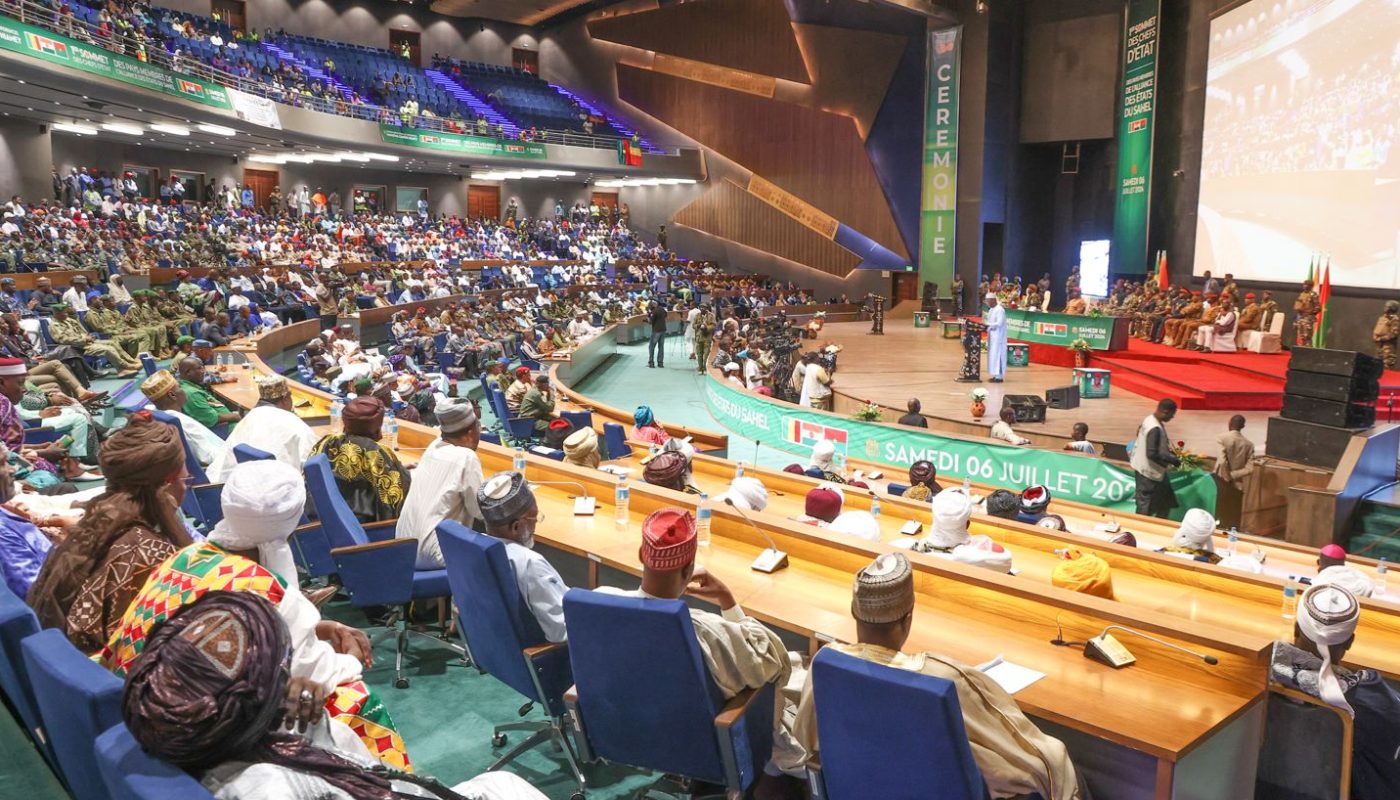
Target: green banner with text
x=46, y=45
x=1135, y=132
x=1069, y=476
x=458, y=143
x=939, y=200
x=1041, y=327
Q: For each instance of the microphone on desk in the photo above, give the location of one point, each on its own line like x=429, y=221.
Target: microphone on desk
x=584, y=505
x=1108, y=650
x=770, y=560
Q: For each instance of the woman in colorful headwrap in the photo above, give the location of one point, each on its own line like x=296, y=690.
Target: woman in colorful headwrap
x=371, y=478
x=248, y=551
x=922, y=484
x=647, y=429
x=211, y=694
x=90, y=578
x=1083, y=572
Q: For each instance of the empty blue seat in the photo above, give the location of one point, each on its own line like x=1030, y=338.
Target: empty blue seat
x=77, y=700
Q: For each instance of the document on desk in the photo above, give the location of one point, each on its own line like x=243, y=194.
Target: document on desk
x=1011, y=677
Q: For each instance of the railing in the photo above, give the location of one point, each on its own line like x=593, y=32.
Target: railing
x=32, y=13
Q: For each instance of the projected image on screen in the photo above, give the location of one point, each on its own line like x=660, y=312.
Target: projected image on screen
x=1302, y=110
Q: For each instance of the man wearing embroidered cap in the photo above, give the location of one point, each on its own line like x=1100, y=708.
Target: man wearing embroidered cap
x=271, y=426
x=511, y=514
x=445, y=482
x=740, y=652
x=1324, y=629
x=1014, y=757
x=165, y=394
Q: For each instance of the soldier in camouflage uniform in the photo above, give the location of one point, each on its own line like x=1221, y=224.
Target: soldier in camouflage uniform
x=144, y=317
x=704, y=336
x=1252, y=315
x=104, y=318
x=1386, y=332
x=1306, y=308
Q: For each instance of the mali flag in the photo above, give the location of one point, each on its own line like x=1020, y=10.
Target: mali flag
x=1324, y=316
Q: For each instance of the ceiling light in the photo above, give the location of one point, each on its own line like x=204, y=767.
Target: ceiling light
x=121, y=127
x=266, y=159
x=173, y=130
x=81, y=130
x=328, y=158
x=297, y=158
x=217, y=130
x=381, y=157
x=484, y=176
x=347, y=156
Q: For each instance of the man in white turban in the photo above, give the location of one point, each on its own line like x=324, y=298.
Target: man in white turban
x=952, y=509
x=1193, y=537
x=860, y=524
x=981, y=551
x=747, y=493
x=823, y=461
x=1346, y=576
x=445, y=482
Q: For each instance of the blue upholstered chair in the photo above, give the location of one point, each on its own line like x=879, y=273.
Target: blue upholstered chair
x=897, y=489
x=202, y=501
x=130, y=774
x=506, y=641
x=578, y=419
x=615, y=441
x=676, y=721
x=149, y=363
x=243, y=453
x=518, y=430
x=129, y=398
x=375, y=568
x=491, y=437
x=77, y=700
x=889, y=733
x=17, y=623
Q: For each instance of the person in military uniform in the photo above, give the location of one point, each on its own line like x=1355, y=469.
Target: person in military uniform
x=1268, y=307
x=1171, y=332
x=1186, y=336
x=1305, y=309
x=143, y=316
x=65, y=328
x=957, y=292
x=1251, y=314
x=1072, y=282
x=1386, y=332
x=1076, y=304
x=704, y=335
x=104, y=318
x=1146, y=312
x=1032, y=300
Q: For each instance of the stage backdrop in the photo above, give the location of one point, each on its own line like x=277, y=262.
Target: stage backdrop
x=1068, y=475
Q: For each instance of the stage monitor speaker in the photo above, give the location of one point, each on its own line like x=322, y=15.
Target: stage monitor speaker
x=1306, y=442
x=1028, y=407
x=1347, y=363
x=1324, y=386
x=1063, y=397
x=1328, y=412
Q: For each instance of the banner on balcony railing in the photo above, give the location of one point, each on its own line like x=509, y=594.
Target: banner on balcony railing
x=255, y=109
x=46, y=45
x=459, y=143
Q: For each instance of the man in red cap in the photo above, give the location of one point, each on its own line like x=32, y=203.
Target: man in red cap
x=517, y=390
x=823, y=505
x=740, y=652
x=1251, y=314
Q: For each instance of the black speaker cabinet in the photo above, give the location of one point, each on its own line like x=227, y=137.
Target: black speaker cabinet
x=1028, y=407
x=1306, y=442
x=1328, y=412
x=1324, y=386
x=1062, y=397
x=1347, y=363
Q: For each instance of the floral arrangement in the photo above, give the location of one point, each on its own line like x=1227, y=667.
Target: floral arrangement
x=1190, y=460
x=1080, y=345
x=868, y=411
x=978, y=395
x=1096, y=311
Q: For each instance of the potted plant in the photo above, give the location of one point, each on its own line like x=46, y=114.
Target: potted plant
x=868, y=411
x=1080, y=348
x=979, y=402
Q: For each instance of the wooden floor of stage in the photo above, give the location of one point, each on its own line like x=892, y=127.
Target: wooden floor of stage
x=918, y=362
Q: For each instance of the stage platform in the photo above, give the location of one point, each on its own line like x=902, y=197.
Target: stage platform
x=917, y=362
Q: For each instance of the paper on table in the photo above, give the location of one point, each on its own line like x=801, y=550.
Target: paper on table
x=1011, y=677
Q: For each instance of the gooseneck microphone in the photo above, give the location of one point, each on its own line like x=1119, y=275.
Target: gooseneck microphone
x=1209, y=659
x=583, y=505
x=770, y=560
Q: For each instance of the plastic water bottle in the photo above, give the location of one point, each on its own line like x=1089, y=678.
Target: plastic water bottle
x=874, y=505
x=337, y=418
x=1381, y=569
x=622, y=498
x=391, y=429
x=1234, y=539
x=1290, y=598
x=702, y=523
x=967, y=486
x=518, y=462
x=739, y=470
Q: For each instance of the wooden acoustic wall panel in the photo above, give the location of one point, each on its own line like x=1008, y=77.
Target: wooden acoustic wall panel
x=815, y=155
x=729, y=212
x=749, y=35
x=735, y=79
x=851, y=70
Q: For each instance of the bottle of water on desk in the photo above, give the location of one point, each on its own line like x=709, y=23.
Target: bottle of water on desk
x=1234, y=540
x=739, y=470
x=1290, y=599
x=337, y=418
x=1381, y=569
x=702, y=524
x=875, y=505
x=391, y=429
x=622, y=498
x=518, y=462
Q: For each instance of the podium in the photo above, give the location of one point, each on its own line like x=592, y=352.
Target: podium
x=972, y=352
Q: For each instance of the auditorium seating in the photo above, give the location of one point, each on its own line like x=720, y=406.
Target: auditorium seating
x=77, y=700
x=130, y=774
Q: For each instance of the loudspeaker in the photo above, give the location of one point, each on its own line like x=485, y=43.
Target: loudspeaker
x=1063, y=397
x=1306, y=442
x=1328, y=412
x=1347, y=363
x=1323, y=386
x=1028, y=407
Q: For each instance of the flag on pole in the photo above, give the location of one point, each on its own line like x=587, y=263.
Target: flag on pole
x=1162, y=282
x=1324, y=315
x=1312, y=262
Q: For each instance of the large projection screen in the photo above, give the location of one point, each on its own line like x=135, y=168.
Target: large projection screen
x=1302, y=110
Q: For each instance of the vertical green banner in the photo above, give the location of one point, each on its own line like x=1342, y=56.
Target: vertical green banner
x=1140, y=37
x=939, y=203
